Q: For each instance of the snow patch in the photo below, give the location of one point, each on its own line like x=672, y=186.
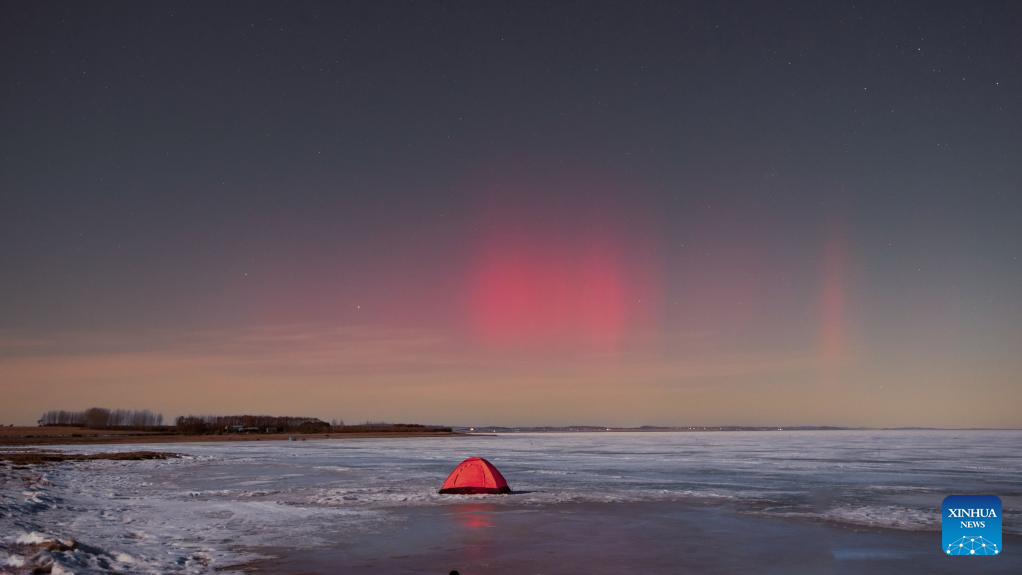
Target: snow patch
x=32, y=537
x=13, y=560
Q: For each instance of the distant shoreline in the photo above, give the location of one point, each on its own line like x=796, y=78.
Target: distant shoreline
x=30, y=436
x=16, y=436
x=488, y=429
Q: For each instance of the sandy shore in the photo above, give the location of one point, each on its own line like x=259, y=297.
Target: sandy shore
x=614, y=538
x=83, y=436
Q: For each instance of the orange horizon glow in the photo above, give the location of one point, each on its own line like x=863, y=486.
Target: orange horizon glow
x=371, y=373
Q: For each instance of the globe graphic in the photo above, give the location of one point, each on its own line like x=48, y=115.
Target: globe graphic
x=972, y=546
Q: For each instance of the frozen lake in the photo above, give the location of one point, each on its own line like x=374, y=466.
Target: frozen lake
x=228, y=503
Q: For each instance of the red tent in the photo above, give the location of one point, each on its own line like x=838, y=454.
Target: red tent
x=475, y=475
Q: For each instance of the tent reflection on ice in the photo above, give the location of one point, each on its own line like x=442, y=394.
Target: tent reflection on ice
x=475, y=475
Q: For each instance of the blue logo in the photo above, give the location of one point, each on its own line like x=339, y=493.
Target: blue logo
x=971, y=525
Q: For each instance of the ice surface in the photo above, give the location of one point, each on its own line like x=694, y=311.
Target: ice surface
x=224, y=502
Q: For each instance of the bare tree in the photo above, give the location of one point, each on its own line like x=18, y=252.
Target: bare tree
x=97, y=418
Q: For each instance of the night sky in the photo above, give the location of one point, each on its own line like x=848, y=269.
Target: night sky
x=514, y=213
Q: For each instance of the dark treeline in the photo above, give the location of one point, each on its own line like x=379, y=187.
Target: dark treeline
x=383, y=427
x=205, y=424
x=103, y=418
x=249, y=424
